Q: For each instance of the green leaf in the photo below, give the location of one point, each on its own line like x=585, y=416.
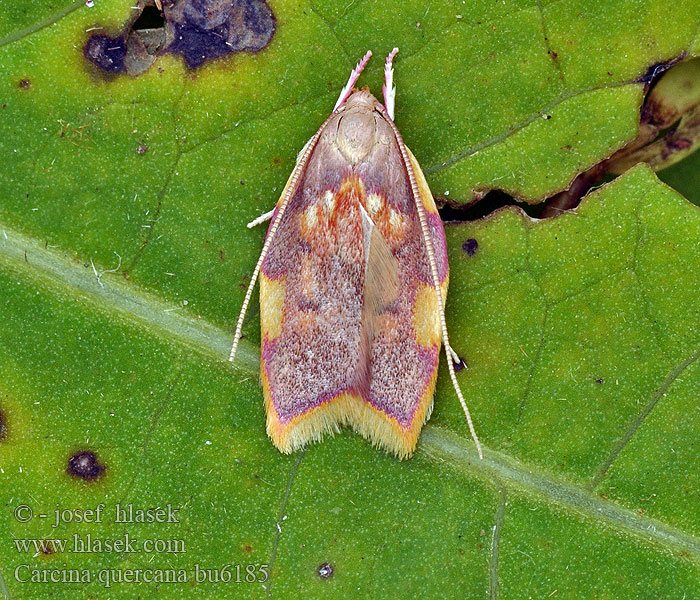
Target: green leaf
x=124, y=259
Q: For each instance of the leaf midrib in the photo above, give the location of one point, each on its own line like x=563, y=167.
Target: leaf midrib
x=57, y=272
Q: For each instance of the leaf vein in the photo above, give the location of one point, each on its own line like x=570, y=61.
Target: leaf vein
x=280, y=518
x=640, y=418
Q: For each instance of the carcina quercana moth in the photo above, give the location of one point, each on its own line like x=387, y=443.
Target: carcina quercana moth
x=353, y=281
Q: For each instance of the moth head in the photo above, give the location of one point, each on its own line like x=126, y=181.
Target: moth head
x=360, y=98
x=357, y=125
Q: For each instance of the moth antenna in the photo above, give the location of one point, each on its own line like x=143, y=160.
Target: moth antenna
x=282, y=205
x=347, y=90
x=449, y=352
x=261, y=219
x=388, y=89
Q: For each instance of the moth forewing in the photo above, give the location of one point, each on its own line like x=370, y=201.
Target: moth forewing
x=276, y=215
x=424, y=201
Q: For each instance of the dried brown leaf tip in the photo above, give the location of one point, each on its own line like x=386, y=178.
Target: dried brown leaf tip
x=669, y=130
x=669, y=127
x=199, y=30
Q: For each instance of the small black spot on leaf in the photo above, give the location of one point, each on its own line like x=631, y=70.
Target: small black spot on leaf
x=141, y=149
x=25, y=84
x=470, y=246
x=325, y=570
x=85, y=465
x=600, y=381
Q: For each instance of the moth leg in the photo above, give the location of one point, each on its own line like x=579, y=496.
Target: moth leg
x=455, y=357
x=347, y=90
x=388, y=89
x=261, y=219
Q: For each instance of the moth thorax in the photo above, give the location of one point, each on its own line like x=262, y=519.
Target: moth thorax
x=356, y=134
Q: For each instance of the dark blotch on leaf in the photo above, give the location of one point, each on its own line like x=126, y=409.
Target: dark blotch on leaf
x=600, y=381
x=141, y=149
x=470, y=246
x=106, y=53
x=325, y=570
x=207, y=29
x=25, y=84
x=200, y=30
x=85, y=465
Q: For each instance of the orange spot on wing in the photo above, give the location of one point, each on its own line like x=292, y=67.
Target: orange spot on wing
x=347, y=199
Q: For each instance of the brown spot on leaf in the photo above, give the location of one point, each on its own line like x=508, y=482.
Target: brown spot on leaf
x=84, y=464
x=199, y=30
x=47, y=547
x=325, y=570
x=3, y=426
x=141, y=149
x=25, y=84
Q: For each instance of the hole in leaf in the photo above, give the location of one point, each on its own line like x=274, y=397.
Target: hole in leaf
x=491, y=202
x=150, y=18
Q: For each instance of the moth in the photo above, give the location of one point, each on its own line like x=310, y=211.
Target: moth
x=353, y=280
